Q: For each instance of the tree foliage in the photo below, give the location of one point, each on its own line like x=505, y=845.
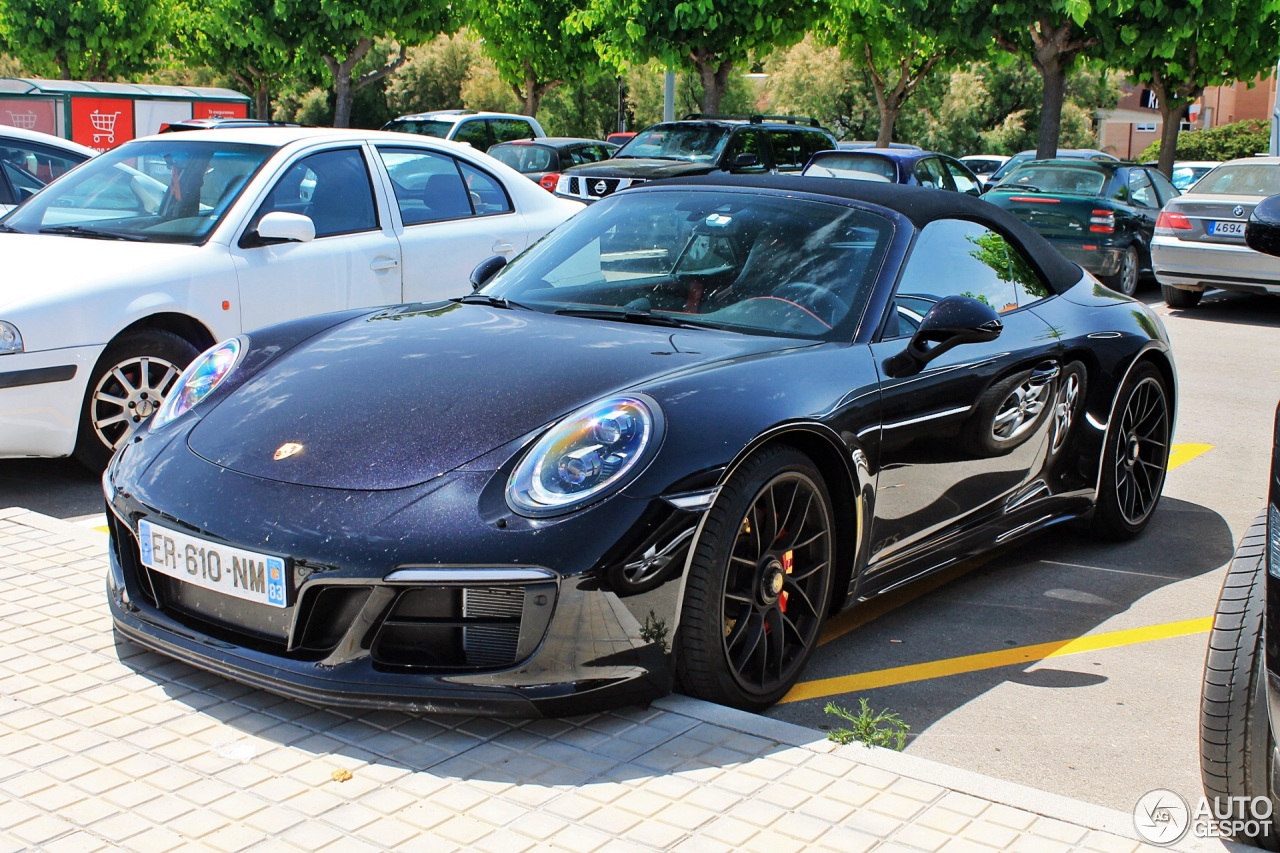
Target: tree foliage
x=1178, y=47
x=814, y=80
x=1228, y=142
x=434, y=75
x=645, y=84
x=85, y=39
x=896, y=45
x=531, y=47
x=711, y=35
x=244, y=39
x=343, y=34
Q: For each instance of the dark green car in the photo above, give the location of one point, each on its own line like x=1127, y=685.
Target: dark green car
x=1100, y=214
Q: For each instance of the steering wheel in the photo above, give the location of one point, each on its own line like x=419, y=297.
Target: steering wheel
x=814, y=298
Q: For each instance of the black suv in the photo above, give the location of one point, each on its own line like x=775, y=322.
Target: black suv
x=700, y=145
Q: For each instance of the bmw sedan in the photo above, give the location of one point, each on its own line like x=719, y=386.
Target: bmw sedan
x=1199, y=241
x=661, y=447
x=120, y=273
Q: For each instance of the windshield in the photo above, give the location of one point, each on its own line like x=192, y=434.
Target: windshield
x=757, y=264
x=1062, y=180
x=423, y=127
x=1241, y=179
x=696, y=142
x=863, y=167
x=167, y=191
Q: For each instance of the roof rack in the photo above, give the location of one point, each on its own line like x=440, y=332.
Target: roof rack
x=754, y=119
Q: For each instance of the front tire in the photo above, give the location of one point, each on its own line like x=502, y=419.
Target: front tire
x=127, y=385
x=1135, y=455
x=1236, y=741
x=759, y=584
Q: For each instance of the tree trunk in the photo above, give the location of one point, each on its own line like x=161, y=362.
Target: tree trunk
x=1054, y=73
x=343, y=90
x=532, y=96
x=1171, y=117
x=888, y=118
x=262, y=99
x=715, y=78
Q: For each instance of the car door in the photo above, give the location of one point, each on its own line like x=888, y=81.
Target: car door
x=956, y=448
x=354, y=260
x=453, y=215
x=1143, y=207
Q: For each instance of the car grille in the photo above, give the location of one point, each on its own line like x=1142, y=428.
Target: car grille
x=591, y=187
x=407, y=627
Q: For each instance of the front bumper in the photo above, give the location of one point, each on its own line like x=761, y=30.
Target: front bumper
x=578, y=638
x=40, y=399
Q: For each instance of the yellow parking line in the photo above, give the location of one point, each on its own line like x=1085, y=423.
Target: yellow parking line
x=103, y=529
x=994, y=660
x=1181, y=454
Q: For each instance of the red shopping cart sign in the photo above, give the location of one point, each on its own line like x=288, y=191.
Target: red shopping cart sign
x=101, y=123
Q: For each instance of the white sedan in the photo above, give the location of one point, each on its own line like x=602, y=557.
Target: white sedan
x=117, y=276
x=30, y=159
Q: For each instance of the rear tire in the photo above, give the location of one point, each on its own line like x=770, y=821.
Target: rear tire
x=127, y=385
x=1177, y=297
x=1236, y=742
x=1135, y=456
x=1125, y=279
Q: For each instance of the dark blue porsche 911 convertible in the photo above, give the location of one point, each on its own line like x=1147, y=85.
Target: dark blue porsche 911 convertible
x=656, y=450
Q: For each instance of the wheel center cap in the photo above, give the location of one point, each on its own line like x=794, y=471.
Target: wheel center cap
x=1131, y=456
x=772, y=579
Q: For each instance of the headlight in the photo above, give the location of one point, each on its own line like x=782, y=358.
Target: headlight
x=199, y=379
x=580, y=459
x=10, y=338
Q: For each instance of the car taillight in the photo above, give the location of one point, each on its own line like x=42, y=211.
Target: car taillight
x=1036, y=199
x=1102, y=221
x=1171, y=220
x=548, y=181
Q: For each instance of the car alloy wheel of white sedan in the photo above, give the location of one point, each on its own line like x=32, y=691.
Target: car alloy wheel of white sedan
x=119, y=274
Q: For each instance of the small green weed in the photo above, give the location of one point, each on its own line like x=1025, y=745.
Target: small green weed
x=873, y=729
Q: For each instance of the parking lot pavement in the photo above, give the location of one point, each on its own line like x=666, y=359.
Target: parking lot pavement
x=106, y=746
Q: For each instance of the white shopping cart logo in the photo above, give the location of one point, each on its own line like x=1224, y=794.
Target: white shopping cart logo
x=104, y=125
x=26, y=121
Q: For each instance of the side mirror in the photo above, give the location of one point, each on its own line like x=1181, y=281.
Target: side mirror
x=486, y=270
x=1262, y=231
x=745, y=161
x=952, y=321
x=281, y=227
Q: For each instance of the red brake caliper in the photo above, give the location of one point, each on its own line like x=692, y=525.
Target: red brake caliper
x=788, y=564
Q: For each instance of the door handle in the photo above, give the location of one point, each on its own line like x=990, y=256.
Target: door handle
x=1044, y=374
x=384, y=264
x=501, y=247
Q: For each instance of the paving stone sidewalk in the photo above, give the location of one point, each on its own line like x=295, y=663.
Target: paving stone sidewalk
x=106, y=746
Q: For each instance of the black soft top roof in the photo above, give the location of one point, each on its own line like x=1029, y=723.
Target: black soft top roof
x=918, y=204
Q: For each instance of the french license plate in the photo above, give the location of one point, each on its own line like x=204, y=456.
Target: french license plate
x=1226, y=229
x=230, y=571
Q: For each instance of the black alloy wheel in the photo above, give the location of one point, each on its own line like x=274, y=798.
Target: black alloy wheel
x=760, y=583
x=1135, y=456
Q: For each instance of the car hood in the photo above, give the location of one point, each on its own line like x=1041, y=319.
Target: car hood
x=41, y=267
x=638, y=167
x=397, y=398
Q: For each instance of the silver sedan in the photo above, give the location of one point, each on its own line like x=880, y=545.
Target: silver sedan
x=1199, y=237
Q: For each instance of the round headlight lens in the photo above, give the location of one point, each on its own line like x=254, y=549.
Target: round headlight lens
x=583, y=456
x=199, y=379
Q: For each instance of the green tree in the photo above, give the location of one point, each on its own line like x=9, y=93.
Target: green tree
x=1052, y=34
x=645, y=84
x=434, y=75
x=588, y=109
x=898, y=44
x=528, y=42
x=343, y=34
x=85, y=39
x=812, y=80
x=711, y=35
x=241, y=38
x=1177, y=47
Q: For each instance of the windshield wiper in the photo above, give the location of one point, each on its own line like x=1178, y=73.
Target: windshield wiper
x=644, y=318
x=9, y=229
x=92, y=233
x=490, y=300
